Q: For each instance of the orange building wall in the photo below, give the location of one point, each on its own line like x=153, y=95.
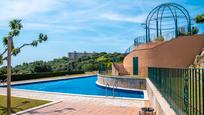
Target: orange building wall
x=114, y=70
x=178, y=53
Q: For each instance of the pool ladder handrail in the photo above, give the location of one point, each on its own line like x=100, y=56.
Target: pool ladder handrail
x=115, y=87
x=107, y=86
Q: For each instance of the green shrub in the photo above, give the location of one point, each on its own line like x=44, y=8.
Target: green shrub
x=160, y=38
x=200, y=18
x=194, y=30
x=19, y=77
x=184, y=33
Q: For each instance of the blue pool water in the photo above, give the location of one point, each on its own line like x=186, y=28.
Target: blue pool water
x=85, y=86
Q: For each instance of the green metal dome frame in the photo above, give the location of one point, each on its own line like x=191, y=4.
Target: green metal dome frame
x=167, y=11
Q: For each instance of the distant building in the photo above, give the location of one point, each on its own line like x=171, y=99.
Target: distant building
x=76, y=55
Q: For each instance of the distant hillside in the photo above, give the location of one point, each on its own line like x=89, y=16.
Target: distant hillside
x=85, y=63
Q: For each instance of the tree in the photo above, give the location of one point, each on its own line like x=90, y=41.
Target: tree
x=88, y=67
x=200, y=18
x=15, y=28
x=66, y=64
x=9, y=48
x=3, y=70
x=41, y=66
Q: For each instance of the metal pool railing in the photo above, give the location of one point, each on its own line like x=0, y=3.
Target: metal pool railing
x=182, y=88
x=107, y=86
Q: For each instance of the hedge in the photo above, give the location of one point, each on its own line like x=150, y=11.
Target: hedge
x=19, y=77
x=200, y=18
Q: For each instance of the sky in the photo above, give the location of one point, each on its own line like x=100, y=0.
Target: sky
x=79, y=25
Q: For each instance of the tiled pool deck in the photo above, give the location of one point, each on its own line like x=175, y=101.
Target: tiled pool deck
x=80, y=105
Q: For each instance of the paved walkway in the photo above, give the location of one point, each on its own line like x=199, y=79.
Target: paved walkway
x=84, y=108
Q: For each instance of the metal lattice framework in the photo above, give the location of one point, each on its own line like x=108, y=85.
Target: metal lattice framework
x=167, y=17
x=167, y=21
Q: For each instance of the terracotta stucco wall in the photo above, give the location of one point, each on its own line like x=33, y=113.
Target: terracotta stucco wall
x=114, y=70
x=178, y=52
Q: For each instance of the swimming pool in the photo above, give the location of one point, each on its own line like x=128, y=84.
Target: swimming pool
x=82, y=85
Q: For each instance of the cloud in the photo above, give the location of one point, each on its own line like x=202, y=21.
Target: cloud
x=51, y=27
x=63, y=15
x=24, y=8
x=118, y=17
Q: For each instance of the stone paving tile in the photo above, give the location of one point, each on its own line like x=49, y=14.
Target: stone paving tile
x=66, y=108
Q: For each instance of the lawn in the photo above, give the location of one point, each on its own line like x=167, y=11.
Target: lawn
x=19, y=104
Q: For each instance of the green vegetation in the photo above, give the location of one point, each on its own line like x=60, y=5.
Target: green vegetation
x=18, y=77
x=200, y=18
x=15, y=28
x=19, y=104
x=194, y=30
x=64, y=64
x=160, y=38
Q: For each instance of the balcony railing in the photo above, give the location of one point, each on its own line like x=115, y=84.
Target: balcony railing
x=168, y=35
x=142, y=40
